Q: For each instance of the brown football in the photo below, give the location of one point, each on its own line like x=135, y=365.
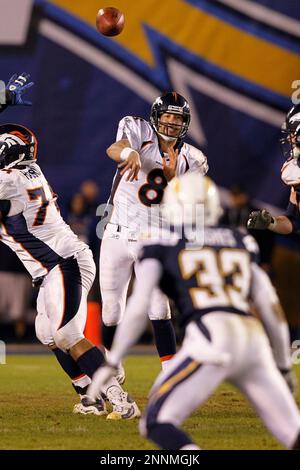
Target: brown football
x=110, y=21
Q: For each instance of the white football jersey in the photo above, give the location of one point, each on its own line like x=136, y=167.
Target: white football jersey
x=136, y=203
x=290, y=172
x=33, y=227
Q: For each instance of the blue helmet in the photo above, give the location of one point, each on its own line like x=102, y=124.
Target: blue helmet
x=173, y=103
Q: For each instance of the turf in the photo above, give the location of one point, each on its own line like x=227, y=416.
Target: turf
x=36, y=412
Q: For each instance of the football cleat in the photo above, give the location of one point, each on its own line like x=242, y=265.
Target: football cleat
x=124, y=407
x=88, y=407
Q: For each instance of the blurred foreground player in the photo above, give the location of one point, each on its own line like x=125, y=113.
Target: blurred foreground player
x=62, y=265
x=211, y=282
x=149, y=155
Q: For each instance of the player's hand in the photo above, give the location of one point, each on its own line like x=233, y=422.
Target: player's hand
x=100, y=378
x=169, y=168
x=260, y=220
x=132, y=164
x=15, y=88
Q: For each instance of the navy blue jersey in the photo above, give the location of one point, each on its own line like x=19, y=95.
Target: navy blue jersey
x=212, y=277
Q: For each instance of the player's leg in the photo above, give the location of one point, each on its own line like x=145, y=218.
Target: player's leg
x=164, y=333
x=80, y=381
x=68, y=285
x=163, y=330
x=267, y=390
x=115, y=269
x=177, y=392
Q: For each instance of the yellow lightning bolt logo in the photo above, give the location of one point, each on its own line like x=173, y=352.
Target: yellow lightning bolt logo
x=201, y=34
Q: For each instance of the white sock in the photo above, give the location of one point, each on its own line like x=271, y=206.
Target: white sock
x=82, y=381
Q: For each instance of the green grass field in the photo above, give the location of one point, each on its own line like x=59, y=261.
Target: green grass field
x=37, y=400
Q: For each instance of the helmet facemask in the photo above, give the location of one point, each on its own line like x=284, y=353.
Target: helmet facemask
x=170, y=130
x=18, y=146
x=291, y=143
x=291, y=134
x=10, y=156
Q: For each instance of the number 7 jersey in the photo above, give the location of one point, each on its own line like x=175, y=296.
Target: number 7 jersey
x=31, y=223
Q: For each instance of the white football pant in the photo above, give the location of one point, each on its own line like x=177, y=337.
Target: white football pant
x=118, y=257
x=238, y=351
x=62, y=301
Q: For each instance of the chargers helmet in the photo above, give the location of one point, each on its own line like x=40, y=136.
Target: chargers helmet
x=173, y=103
x=18, y=146
x=190, y=197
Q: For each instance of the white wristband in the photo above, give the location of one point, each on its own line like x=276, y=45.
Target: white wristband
x=124, y=154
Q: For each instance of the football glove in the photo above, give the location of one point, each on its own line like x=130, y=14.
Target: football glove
x=260, y=220
x=15, y=88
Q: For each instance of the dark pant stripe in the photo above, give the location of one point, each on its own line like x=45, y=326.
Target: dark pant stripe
x=72, y=285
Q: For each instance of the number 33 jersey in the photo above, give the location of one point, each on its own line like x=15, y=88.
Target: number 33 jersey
x=135, y=204
x=31, y=223
x=215, y=275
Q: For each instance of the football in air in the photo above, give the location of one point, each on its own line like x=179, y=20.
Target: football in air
x=110, y=21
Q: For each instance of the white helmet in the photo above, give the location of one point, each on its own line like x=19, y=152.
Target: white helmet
x=191, y=199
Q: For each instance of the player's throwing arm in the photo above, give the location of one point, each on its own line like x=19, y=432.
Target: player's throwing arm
x=128, y=159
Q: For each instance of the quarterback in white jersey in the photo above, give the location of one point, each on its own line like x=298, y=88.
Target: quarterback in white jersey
x=135, y=203
x=149, y=155
x=214, y=283
x=59, y=263
x=290, y=175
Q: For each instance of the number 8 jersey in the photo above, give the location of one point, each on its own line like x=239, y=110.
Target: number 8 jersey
x=135, y=204
x=31, y=223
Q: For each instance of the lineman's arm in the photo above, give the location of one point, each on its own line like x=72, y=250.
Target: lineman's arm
x=262, y=220
x=283, y=224
x=128, y=158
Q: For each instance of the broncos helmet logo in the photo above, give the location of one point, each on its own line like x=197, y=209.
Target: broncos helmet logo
x=18, y=146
